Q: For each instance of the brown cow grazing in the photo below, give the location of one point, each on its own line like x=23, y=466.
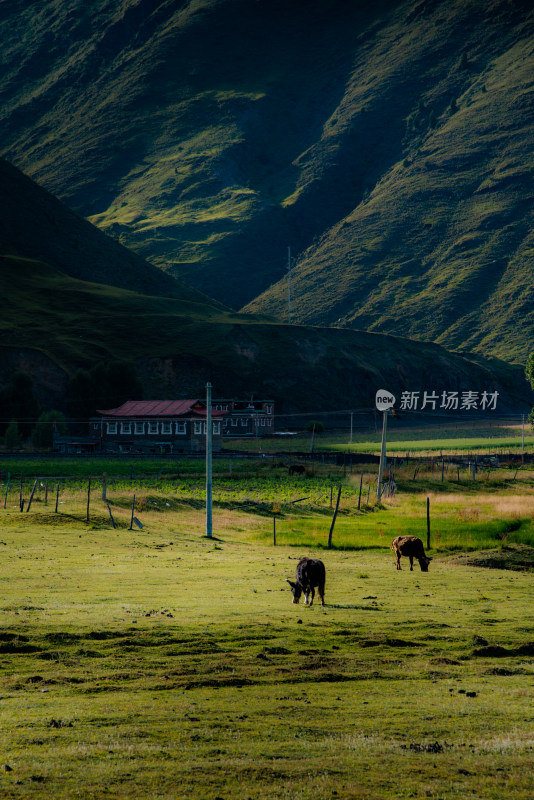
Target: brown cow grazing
x=310, y=573
x=412, y=547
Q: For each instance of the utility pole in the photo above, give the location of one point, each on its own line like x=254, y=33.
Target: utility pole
x=384, y=401
x=382, y=454
x=209, y=442
x=289, y=283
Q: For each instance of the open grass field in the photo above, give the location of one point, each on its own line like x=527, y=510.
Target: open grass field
x=447, y=438
x=158, y=663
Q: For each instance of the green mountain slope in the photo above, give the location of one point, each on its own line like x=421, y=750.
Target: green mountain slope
x=36, y=225
x=389, y=143
x=443, y=246
x=53, y=323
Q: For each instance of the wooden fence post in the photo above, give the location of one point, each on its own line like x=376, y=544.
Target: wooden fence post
x=31, y=496
x=334, y=519
x=111, y=515
x=428, y=523
x=88, y=498
x=7, y=488
x=133, y=512
x=360, y=494
x=57, y=495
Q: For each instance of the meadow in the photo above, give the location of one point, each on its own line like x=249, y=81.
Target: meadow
x=499, y=437
x=155, y=662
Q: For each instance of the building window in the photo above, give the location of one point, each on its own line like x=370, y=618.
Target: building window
x=216, y=427
x=166, y=427
x=112, y=427
x=199, y=427
x=269, y=409
x=126, y=427
x=153, y=427
x=139, y=428
x=233, y=421
x=180, y=427
x=270, y=423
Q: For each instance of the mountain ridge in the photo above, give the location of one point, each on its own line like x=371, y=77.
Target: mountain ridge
x=389, y=144
x=54, y=323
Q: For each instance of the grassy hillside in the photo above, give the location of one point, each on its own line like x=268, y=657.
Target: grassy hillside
x=35, y=225
x=389, y=144
x=52, y=324
x=442, y=246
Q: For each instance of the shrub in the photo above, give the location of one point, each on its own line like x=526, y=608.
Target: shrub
x=12, y=437
x=318, y=427
x=48, y=422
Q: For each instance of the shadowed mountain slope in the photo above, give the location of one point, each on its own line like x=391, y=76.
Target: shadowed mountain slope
x=442, y=248
x=389, y=143
x=53, y=323
x=36, y=225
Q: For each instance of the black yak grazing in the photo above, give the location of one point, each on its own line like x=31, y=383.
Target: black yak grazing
x=310, y=574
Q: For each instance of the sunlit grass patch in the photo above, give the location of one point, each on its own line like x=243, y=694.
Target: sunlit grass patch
x=159, y=662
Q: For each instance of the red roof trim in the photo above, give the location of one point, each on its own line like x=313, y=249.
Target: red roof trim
x=159, y=408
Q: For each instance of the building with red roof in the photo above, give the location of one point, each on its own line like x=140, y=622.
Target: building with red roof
x=158, y=426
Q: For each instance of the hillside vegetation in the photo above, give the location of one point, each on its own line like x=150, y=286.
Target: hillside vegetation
x=388, y=143
x=35, y=225
x=53, y=324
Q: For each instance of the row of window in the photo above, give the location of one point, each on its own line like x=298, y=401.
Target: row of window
x=170, y=428
x=158, y=428
x=244, y=421
x=251, y=407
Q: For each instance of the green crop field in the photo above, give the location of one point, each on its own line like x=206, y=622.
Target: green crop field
x=159, y=663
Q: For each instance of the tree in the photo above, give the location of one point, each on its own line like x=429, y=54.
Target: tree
x=18, y=401
x=106, y=385
x=318, y=427
x=48, y=422
x=12, y=437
